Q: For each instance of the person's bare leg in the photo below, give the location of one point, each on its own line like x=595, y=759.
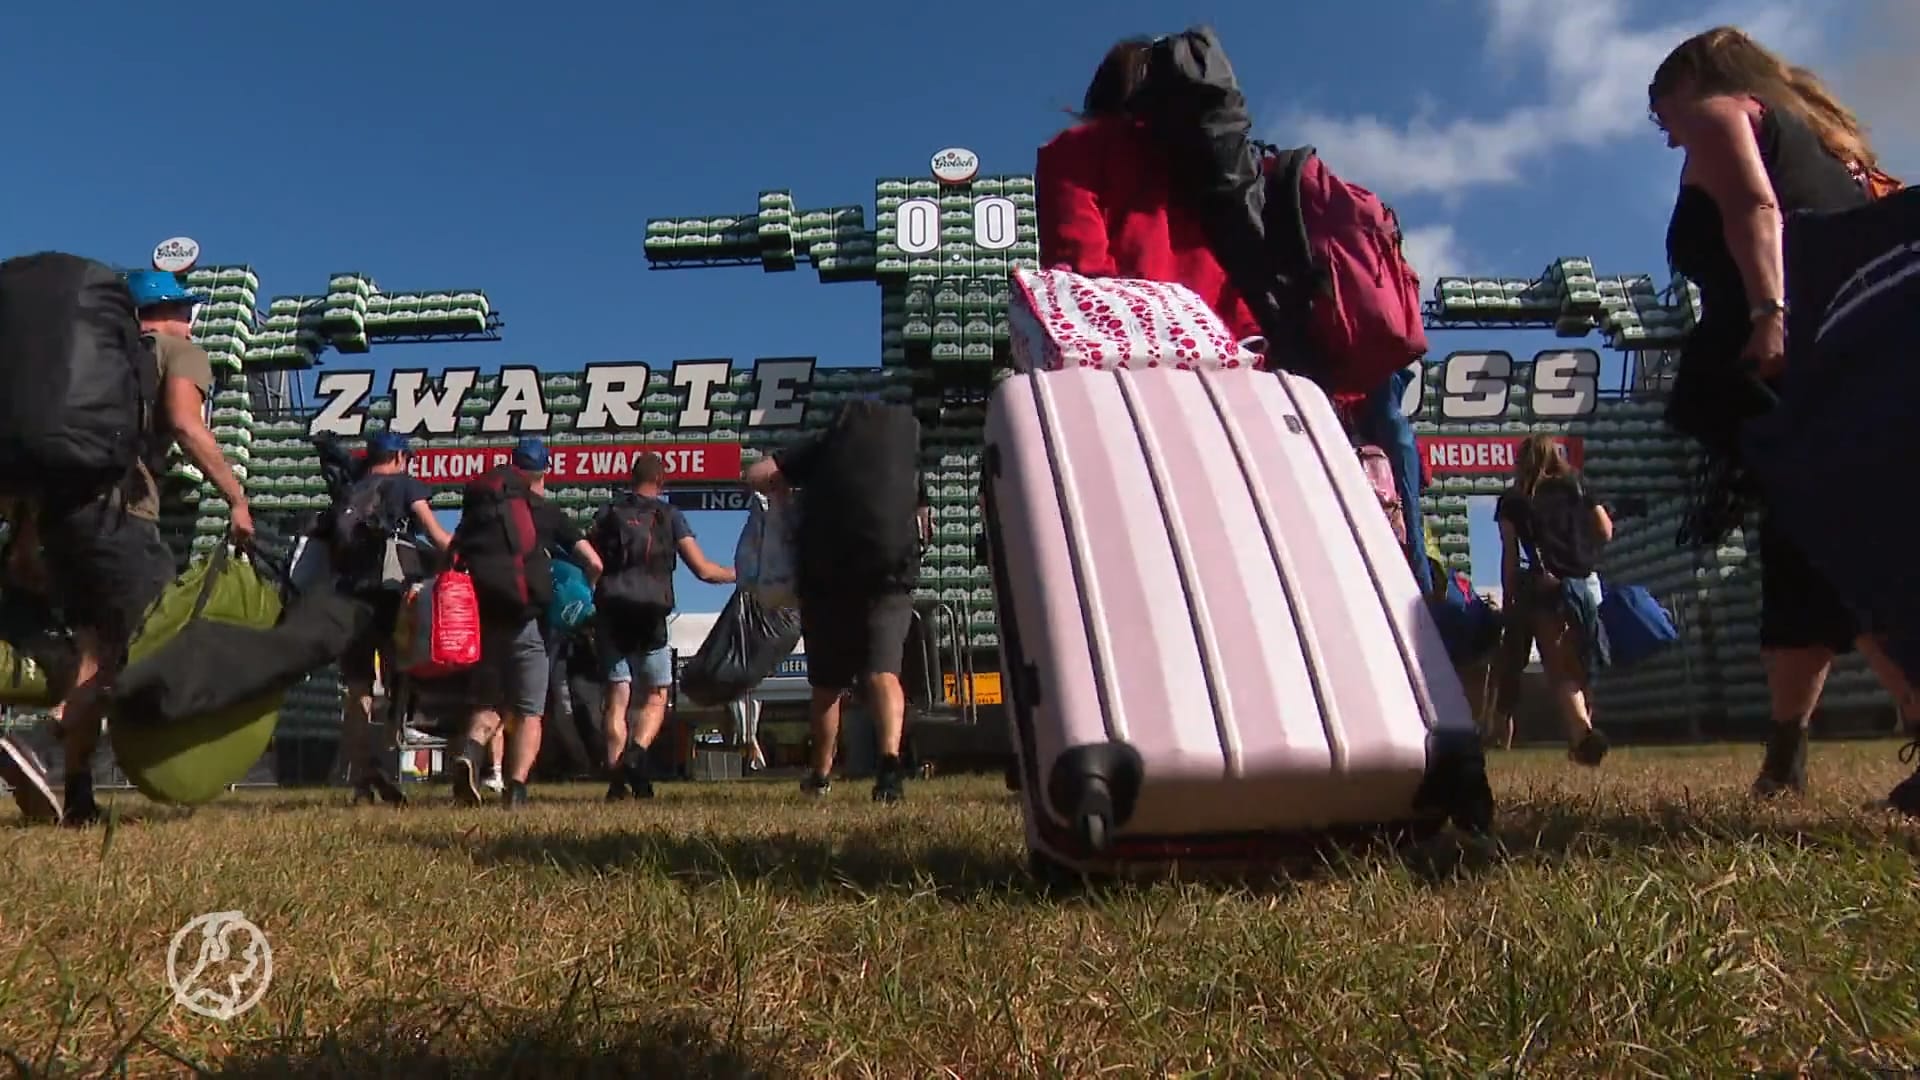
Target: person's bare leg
x=469, y=759
x=80, y=729
x=613, y=726
x=1795, y=678
x=653, y=716
x=497, y=757
x=1566, y=680
x=888, y=700
x=823, y=723
x=356, y=732
x=1906, y=698
x=522, y=748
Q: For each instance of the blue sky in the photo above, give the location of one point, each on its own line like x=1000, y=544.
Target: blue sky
x=520, y=149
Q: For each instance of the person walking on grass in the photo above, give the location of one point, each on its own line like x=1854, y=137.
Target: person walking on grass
x=858, y=545
x=104, y=557
x=1551, y=535
x=506, y=533
x=642, y=537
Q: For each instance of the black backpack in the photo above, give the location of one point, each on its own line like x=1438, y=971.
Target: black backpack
x=634, y=536
x=79, y=386
x=1560, y=529
x=498, y=543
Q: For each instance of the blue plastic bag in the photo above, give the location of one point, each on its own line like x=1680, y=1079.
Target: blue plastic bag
x=572, y=597
x=1637, y=626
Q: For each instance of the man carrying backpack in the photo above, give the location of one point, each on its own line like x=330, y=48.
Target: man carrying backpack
x=505, y=534
x=384, y=504
x=857, y=559
x=96, y=488
x=641, y=537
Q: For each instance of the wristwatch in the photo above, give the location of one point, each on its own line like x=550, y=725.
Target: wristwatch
x=1765, y=308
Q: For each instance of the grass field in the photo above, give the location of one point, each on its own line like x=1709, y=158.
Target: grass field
x=1644, y=919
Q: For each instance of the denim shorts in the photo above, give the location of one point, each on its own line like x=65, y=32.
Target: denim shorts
x=650, y=669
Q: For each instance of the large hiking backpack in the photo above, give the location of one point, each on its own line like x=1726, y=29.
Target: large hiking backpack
x=1318, y=260
x=79, y=386
x=1560, y=529
x=1358, y=299
x=498, y=544
x=634, y=536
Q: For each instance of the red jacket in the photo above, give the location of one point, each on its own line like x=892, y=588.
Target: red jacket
x=1104, y=212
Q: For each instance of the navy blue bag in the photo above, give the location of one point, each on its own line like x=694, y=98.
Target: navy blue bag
x=1838, y=454
x=1637, y=626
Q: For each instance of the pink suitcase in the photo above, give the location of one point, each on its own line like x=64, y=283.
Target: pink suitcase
x=1213, y=647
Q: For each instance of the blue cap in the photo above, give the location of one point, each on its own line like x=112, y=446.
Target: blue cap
x=387, y=442
x=151, y=287
x=530, y=455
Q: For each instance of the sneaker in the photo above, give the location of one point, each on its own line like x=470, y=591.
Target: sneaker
x=815, y=785
x=1784, y=770
x=617, y=789
x=494, y=782
x=1905, y=796
x=513, y=795
x=22, y=771
x=1591, y=750
x=81, y=809
x=889, y=782
x=466, y=781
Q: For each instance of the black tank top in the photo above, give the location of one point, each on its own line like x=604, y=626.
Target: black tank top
x=1805, y=177
x=1712, y=392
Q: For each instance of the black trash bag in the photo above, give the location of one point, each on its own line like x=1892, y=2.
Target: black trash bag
x=745, y=646
x=212, y=666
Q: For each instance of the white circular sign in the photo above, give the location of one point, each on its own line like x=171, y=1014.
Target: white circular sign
x=219, y=965
x=175, y=255
x=955, y=165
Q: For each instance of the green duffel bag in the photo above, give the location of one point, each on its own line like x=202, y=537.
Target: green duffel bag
x=192, y=760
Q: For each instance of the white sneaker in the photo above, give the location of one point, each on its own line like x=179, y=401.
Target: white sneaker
x=22, y=771
x=494, y=783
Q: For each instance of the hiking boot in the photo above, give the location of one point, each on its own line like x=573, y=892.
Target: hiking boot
x=815, y=785
x=1905, y=796
x=1784, y=770
x=617, y=788
x=1591, y=750
x=22, y=771
x=81, y=809
x=889, y=782
x=466, y=781
x=513, y=795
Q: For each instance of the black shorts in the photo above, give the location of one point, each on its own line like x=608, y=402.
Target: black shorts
x=357, y=663
x=1798, y=609
x=106, y=568
x=850, y=635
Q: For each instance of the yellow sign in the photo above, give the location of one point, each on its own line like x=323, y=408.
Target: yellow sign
x=985, y=687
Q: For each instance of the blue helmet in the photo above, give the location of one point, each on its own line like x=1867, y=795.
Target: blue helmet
x=531, y=455
x=151, y=287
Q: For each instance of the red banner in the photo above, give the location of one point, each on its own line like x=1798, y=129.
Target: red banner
x=1483, y=455
x=603, y=463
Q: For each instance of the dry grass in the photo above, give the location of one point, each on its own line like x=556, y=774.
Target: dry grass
x=1642, y=920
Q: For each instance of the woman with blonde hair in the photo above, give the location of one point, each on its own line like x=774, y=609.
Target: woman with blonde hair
x=1763, y=139
x=1551, y=533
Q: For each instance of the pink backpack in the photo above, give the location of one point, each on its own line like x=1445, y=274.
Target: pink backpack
x=1363, y=314
x=1379, y=470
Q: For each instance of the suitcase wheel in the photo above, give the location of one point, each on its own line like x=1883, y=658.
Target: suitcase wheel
x=1095, y=831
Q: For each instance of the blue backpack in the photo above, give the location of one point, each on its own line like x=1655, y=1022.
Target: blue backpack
x=572, y=597
x=1637, y=627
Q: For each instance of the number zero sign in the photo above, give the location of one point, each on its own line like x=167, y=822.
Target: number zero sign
x=919, y=227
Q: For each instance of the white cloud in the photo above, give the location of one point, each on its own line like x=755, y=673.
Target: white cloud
x=1434, y=251
x=1593, y=62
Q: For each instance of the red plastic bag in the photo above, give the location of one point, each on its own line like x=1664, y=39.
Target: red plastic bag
x=440, y=631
